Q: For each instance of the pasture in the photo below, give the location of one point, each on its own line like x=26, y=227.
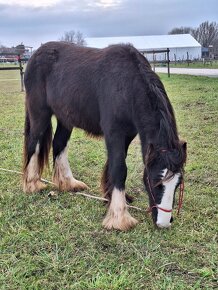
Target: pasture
x=57, y=241
x=196, y=64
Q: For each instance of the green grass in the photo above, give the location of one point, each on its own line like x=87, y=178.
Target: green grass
x=59, y=243
x=200, y=64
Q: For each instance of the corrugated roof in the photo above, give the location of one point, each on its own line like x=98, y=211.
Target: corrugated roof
x=146, y=42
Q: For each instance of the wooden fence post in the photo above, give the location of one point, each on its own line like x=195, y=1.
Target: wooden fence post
x=21, y=73
x=168, y=62
x=20, y=67
x=153, y=62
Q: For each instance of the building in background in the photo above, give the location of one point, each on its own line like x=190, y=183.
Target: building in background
x=182, y=46
x=10, y=54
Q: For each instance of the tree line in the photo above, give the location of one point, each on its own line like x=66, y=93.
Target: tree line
x=206, y=33
x=74, y=37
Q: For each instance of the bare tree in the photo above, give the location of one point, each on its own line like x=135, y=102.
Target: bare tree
x=74, y=37
x=215, y=48
x=180, y=30
x=20, y=49
x=3, y=48
x=206, y=33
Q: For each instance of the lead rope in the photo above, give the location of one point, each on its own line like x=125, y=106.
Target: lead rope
x=181, y=196
x=74, y=193
x=149, y=209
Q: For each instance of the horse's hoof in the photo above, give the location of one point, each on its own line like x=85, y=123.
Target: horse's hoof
x=122, y=223
x=70, y=184
x=78, y=186
x=33, y=186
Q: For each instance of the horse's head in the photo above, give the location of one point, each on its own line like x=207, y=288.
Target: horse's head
x=163, y=174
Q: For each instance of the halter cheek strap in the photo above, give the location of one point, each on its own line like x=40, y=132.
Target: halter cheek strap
x=181, y=195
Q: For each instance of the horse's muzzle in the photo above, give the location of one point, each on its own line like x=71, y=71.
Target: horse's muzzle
x=163, y=225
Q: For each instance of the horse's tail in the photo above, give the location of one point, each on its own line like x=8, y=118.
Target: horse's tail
x=45, y=141
x=26, y=138
x=45, y=146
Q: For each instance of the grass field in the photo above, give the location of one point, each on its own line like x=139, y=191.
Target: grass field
x=200, y=64
x=58, y=242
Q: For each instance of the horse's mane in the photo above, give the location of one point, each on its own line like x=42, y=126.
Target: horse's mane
x=158, y=99
x=175, y=155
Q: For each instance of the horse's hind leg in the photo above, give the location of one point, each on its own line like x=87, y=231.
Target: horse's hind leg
x=63, y=177
x=38, y=135
x=117, y=216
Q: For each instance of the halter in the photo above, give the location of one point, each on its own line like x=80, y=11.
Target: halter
x=181, y=195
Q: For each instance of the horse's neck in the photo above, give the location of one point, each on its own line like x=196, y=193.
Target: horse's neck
x=155, y=120
x=156, y=136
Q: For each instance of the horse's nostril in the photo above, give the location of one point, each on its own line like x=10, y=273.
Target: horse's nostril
x=171, y=220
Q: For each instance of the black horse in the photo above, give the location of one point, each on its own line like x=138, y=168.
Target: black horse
x=111, y=92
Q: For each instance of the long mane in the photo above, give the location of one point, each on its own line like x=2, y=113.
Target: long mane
x=159, y=101
x=175, y=155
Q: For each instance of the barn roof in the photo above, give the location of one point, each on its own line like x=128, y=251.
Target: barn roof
x=146, y=42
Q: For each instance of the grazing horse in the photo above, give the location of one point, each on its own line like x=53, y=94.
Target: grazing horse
x=110, y=92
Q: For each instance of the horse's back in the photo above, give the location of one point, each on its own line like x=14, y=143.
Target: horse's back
x=82, y=85
x=57, y=79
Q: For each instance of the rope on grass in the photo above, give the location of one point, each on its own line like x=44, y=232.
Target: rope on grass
x=77, y=193
x=18, y=172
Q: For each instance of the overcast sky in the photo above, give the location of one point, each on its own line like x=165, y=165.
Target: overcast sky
x=36, y=21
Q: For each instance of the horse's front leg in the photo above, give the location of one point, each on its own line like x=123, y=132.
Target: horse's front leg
x=117, y=216
x=63, y=177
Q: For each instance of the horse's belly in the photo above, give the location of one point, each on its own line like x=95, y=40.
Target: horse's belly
x=84, y=118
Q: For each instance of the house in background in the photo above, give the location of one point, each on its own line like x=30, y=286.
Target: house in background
x=182, y=46
x=10, y=54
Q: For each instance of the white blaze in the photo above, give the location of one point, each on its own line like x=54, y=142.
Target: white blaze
x=163, y=218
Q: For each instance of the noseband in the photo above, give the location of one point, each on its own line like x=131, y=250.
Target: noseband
x=181, y=195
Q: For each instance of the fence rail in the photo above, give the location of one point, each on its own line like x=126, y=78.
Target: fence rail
x=154, y=61
x=20, y=68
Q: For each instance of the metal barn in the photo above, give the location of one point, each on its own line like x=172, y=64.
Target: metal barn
x=182, y=46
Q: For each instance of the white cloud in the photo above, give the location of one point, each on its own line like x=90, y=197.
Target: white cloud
x=53, y=3
x=107, y=3
x=34, y=22
x=29, y=3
